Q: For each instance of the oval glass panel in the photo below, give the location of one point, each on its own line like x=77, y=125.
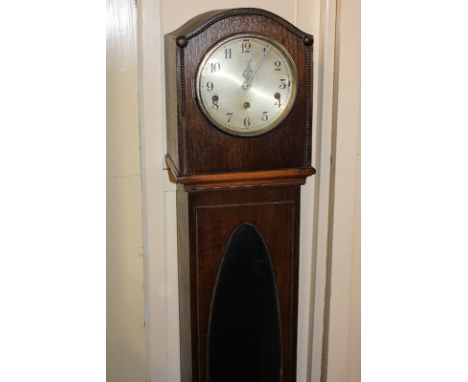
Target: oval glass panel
x=244, y=341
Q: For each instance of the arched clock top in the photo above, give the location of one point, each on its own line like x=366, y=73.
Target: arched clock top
x=202, y=22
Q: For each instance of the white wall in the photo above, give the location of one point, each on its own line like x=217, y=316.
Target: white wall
x=125, y=297
x=344, y=344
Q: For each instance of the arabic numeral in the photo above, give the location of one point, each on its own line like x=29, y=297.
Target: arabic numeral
x=229, y=115
x=227, y=53
x=246, y=121
x=246, y=46
x=277, y=64
x=265, y=116
x=215, y=66
x=209, y=86
x=284, y=83
x=214, y=102
x=278, y=100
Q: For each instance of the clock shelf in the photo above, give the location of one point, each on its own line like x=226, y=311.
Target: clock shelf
x=288, y=176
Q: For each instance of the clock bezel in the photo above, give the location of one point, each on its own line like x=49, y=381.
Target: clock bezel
x=267, y=128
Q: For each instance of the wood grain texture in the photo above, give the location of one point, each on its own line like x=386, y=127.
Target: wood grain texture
x=185, y=322
x=212, y=218
x=240, y=179
x=195, y=146
x=225, y=181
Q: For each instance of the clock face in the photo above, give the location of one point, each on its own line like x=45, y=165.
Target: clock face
x=246, y=84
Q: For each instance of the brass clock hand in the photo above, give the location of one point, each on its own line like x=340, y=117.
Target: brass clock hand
x=251, y=74
x=259, y=64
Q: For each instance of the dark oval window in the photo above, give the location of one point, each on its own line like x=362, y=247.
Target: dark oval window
x=244, y=338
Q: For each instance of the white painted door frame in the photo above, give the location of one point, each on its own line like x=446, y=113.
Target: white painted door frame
x=158, y=194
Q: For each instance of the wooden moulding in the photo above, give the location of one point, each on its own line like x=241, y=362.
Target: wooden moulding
x=289, y=176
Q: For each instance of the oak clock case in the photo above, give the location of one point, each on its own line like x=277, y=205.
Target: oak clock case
x=239, y=128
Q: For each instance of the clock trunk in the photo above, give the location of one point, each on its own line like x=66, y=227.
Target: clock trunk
x=238, y=268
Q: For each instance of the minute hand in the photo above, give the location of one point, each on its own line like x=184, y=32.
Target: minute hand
x=259, y=64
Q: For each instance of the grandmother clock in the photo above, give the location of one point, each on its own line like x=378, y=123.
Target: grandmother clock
x=239, y=120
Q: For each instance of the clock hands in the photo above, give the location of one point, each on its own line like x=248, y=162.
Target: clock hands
x=248, y=74
x=259, y=64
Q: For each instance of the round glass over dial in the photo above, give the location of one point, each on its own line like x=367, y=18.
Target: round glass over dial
x=246, y=84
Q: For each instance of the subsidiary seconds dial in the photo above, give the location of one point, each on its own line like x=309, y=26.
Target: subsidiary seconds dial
x=246, y=85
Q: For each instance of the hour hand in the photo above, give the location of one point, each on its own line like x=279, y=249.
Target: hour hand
x=251, y=73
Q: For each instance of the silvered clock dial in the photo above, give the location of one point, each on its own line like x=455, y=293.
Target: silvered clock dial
x=246, y=84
